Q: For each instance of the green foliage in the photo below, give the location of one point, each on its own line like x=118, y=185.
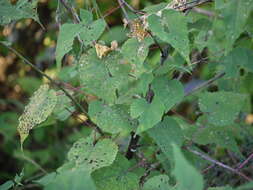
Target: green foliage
x=167, y=28
x=187, y=176
x=218, y=108
x=160, y=182
x=111, y=119
x=116, y=176
x=92, y=157
x=22, y=9
x=133, y=108
x=75, y=179
x=235, y=14
x=85, y=31
x=166, y=133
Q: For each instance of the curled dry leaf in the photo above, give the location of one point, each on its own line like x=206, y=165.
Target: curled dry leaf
x=103, y=50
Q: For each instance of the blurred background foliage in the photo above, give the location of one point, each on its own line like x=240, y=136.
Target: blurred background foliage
x=46, y=147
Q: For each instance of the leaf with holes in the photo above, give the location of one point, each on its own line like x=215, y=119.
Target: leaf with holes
x=135, y=52
x=91, y=157
x=171, y=27
x=117, y=176
x=218, y=107
x=234, y=15
x=160, y=182
x=39, y=108
x=111, y=119
x=105, y=77
x=238, y=58
x=22, y=9
x=92, y=31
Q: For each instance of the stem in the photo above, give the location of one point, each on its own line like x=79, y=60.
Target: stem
x=71, y=11
x=219, y=164
x=245, y=162
x=205, y=84
x=58, y=84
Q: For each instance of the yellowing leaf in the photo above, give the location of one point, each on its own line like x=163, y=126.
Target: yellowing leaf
x=39, y=108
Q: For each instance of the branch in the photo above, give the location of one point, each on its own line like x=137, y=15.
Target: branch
x=219, y=164
x=71, y=11
x=245, y=162
x=205, y=84
x=54, y=82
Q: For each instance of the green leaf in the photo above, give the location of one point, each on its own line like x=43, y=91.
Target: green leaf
x=238, y=58
x=136, y=52
x=111, y=119
x=64, y=108
x=91, y=157
x=219, y=135
x=149, y=114
x=165, y=133
x=168, y=29
x=235, y=14
x=93, y=31
x=186, y=175
x=160, y=182
x=221, y=108
x=86, y=16
x=22, y=9
x=247, y=186
x=75, y=179
x=102, y=77
x=144, y=82
x=117, y=176
x=39, y=108
x=65, y=40
x=7, y=185
x=171, y=92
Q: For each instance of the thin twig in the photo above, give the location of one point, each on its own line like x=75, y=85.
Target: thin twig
x=205, y=84
x=245, y=162
x=219, y=164
x=54, y=82
x=131, y=8
x=75, y=17
x=204, y=12
x=121, y=3
x=23, y=156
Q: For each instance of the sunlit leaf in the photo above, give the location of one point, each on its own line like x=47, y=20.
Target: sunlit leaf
x=91, y=157
x=111, y=119
x=39, y=108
